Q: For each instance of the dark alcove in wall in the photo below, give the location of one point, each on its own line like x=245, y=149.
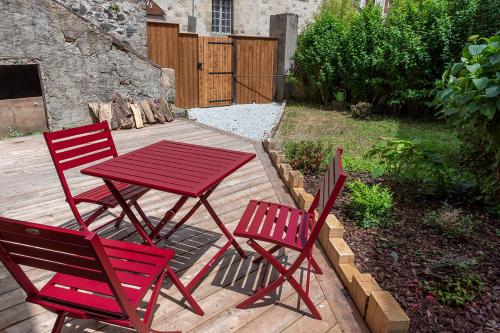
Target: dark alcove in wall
x=22, y=107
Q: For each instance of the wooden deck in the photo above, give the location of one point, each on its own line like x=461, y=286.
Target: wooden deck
x=30, y=190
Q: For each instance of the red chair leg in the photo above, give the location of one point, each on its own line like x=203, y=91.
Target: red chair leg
x=58, y=325
x=185, y=292
x=272, y=250
x=143, y=215
x=95, y=215
x=315, y=266
x=119, y=219
x=286, y=275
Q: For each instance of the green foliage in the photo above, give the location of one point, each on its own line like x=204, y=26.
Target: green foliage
x=370, y=205
x=361, y=110
x=307, y=156
x=318, y=56
x=469, y=94
x=453, y=281
x=413, y=161
x=390, y=61
x=345, y=10
x=450, y=222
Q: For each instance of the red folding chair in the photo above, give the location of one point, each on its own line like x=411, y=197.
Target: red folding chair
x=72, y=148
x=291, y=228
x=95, y=278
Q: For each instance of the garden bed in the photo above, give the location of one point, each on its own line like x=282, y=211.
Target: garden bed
x=401, y=258
x=404, y=257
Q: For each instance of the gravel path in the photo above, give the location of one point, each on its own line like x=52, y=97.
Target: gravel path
x=253, y=121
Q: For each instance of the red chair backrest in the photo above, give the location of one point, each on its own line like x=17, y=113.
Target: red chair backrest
x=330, y=187
x=70, y=252
x=74, y=147
x=52, y=249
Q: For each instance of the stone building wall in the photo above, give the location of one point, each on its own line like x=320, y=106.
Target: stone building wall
x=124, y=19
x=78, y=61
x=251, y=17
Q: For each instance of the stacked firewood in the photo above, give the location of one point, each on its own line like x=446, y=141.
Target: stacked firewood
x=124, y=113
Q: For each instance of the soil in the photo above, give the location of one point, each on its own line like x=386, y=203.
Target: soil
x=401, y=256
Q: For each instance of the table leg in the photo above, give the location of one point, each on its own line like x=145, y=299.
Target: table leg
x=130, y=214
x=169, y=215
x=188, y=215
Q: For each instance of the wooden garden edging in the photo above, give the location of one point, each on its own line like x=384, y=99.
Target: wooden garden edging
x=380, y=310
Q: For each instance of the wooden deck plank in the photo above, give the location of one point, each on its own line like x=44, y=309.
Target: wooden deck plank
x=31, y=190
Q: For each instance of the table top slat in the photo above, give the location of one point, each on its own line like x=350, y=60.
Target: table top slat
x=175, y=167
x=191, y=161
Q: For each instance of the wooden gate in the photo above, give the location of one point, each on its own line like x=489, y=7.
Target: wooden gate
x=255, y=69
x=215, y=71
x=215, y=66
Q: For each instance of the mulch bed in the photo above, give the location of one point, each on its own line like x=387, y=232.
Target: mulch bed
x=400, y=257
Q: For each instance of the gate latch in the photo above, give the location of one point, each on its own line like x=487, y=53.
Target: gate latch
x=200, y=65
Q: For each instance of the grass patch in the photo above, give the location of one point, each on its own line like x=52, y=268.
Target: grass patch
x=357, y=137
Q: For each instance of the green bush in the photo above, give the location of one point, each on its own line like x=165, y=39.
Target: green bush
x=453, y=281
x=450, y=222
x=469, y=94
x=307, y=156
x=318, y=57
x=390, y=61
x=370, y=205
x=412, y=161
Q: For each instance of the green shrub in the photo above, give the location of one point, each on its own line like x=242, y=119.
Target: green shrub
x=469, y=94
x=390, y=61
x=361, y=110
x=453, y=281
x=452, y=223
x=319, y=57
x=370, y=205
x=413, y=161
x=307, y=156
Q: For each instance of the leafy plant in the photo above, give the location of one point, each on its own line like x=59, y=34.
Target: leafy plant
x=361, y=110
x=307, y=156
x=411, y=160
x=453, y=281
x=319, y=56
x=469, y=94
x=452, y=223
x=397, y=157
x=370, y=205
x=14, y=133
x=388, y=60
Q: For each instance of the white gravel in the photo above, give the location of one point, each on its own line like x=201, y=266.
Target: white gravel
x=253, y=121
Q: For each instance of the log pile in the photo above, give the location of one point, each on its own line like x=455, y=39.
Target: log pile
x=123, y=113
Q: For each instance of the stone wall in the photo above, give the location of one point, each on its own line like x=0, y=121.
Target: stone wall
x=124, y=19
x=78, y=62
x=251, y=17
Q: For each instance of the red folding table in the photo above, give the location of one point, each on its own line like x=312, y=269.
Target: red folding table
x=191, y=171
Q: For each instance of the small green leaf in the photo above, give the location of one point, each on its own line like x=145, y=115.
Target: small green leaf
x=488, y=110
x=481, y=83
x=492, y=91
x=457, y=68
x=378, y=171
x=473, y=68
x=476, y=49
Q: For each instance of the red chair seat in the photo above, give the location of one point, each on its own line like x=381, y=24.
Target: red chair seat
x=102, y=195
x=136, y=269
x=275, y=223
